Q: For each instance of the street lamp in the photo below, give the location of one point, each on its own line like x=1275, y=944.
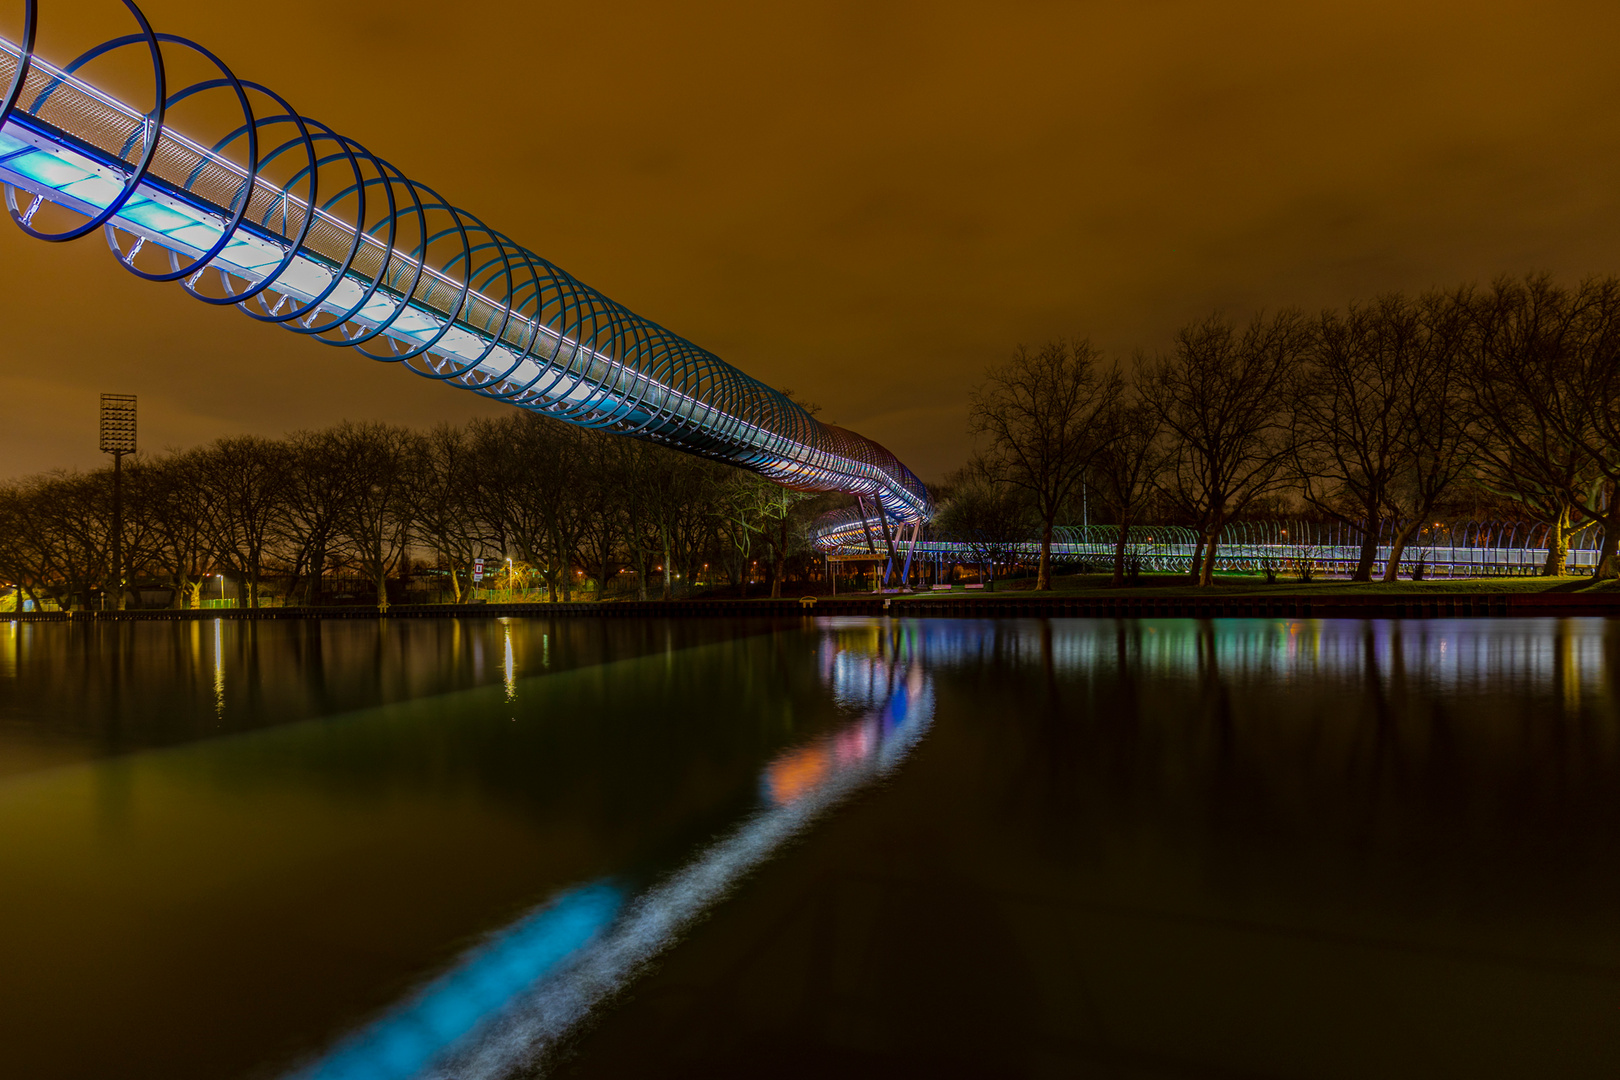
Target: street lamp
x=221, y=589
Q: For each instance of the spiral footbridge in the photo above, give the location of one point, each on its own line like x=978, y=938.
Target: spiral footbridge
x=300, y=226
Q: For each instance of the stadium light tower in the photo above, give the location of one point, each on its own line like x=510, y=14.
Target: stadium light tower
x=118, y=439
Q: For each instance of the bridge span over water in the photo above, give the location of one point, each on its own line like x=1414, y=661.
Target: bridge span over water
x=302, y=227
x=1445, y=549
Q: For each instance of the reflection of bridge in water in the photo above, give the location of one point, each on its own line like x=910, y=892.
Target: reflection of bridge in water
x=1454, y=549
x=299, y=226
x=509, y=1002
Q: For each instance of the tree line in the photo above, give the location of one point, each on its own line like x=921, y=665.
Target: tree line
x=567, y=505
x=1382, y=415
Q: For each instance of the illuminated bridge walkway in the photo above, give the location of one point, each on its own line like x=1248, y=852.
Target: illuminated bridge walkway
x=1459, y=549
x=297, y=225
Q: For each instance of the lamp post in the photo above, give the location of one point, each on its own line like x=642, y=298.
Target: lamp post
x=221, y=589
x=118, y=439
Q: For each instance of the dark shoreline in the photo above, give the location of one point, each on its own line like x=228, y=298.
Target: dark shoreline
x=1382, y=606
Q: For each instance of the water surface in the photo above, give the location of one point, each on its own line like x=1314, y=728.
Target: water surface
x=622, y=847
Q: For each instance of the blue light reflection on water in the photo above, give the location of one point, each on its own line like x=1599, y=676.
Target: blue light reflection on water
x=408, y=1039
x=508, y=1001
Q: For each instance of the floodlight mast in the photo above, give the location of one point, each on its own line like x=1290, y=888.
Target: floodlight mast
x=118, y=439
x=297, y=225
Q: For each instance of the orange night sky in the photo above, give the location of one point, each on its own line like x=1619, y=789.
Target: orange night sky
x=865, y=202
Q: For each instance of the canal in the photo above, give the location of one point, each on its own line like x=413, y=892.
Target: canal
x=377, y=850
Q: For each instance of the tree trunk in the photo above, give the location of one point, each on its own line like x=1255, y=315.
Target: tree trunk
x=317, y=570
x=779, y=567
x=666, y=593
x=1206, y=576
x=1211, y=546
x=1369, y=551
x=1119, y=556
x=1397, y=548
x=1608, y=567
x=455, y=578
x=553, y=563
x=1043, y=574
x=1195, y=566
x=1557, y=545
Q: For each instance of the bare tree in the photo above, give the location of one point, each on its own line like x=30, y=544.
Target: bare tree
x=28, y=548
x=320, y=484
x=1598, y=367
x=633, y=466
x=180, y=520
x=751, y=505
x=444, y=487
x=1125, y=467
x=571, y=507
x=244, y=480
x=685, y=505
x=1348, y=411
x=1519, y=450
x=512, y=454
x=990, y=518
x=1377, y=429
x=378, y=516
x=71, y=513
x=1038, y=413
x=603, y=516
x=1433, y=448
x=1219, y=392
x=1542, y=390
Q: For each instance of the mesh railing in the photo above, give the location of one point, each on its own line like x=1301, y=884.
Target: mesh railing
x=1443, y=549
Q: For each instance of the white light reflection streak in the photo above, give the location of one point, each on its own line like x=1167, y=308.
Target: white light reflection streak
x=219, y=669
x=510, y=678
x=864, y=751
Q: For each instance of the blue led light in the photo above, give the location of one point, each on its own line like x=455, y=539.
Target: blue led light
x=48, y=169
x=154, y=216
x=95, y=190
